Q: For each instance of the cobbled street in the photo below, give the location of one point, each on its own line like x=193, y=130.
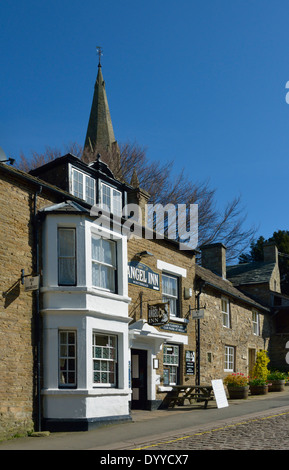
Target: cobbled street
x=263, y=433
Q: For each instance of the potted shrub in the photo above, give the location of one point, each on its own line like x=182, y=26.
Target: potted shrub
x=258, y=383
x=237, y=385
x=277, y=381
x=260, y=369
x=258, y=386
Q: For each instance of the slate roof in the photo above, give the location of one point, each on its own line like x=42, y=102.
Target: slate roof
x=250, y=273
x=64, y=207
x=226, y=287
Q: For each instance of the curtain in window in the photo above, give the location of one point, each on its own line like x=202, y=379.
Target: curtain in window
x=103, y=263
x=66, y=256
x=170, y=292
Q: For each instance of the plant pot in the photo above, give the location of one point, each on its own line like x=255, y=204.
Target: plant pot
x=277, y=386
x=238, y=392
x=259, y=389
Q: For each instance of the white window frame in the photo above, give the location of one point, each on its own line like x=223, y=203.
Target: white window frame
x=167, y=297
x=61, y=257
x=112, y=205
x=91, y=228
x=171, y=362
x=86, y=188
x=229, y=359
x=226, y=318
x=104, y=360
x=101, y=264
x=67, y=358
x=256, y=322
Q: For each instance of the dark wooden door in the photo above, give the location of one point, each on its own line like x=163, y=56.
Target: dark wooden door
x=139, y=379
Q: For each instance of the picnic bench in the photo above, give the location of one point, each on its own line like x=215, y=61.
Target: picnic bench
x=179, y=393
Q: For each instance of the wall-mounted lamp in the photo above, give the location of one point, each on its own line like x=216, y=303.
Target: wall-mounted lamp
x=188, y=292
x=3, y=157
x=10, y=160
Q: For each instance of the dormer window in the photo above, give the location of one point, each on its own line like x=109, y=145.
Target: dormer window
x=111, y=199
x=83, y=186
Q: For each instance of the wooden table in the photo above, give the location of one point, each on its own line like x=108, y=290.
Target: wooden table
x=180, y=393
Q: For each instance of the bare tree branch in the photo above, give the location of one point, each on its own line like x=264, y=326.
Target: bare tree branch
x=166, y=187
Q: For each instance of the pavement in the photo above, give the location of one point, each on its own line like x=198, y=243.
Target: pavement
x=258, y=422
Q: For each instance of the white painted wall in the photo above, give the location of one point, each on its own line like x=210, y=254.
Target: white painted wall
x=84, y=309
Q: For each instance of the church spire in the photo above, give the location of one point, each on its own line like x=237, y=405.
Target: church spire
x=100, y=135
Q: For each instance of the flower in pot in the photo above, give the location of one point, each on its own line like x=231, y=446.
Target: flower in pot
x=277, y=380
x=258, y=386
x=237, y=385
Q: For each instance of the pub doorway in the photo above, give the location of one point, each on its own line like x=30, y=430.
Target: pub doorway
x=139, y=379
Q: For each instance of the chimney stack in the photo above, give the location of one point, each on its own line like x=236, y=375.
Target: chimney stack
x=214, y=258
x=270, y=252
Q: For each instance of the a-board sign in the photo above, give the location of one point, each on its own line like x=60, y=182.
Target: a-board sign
x=220, y=394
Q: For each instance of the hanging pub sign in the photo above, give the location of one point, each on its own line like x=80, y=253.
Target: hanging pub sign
x=143, y=276
x=158, y=314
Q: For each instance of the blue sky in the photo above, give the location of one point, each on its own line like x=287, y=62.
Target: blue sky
x=198, y=82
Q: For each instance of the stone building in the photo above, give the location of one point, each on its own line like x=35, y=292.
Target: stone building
x=235, y=326
x=162, y=332
x=261, y=281
x=114, y=323
x=22, y=196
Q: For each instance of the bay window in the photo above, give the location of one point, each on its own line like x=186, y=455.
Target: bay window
x=66, y=256
x=103, y=256
x=104, y=356
x=67, y=358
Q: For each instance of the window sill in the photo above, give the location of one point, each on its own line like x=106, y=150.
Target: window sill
x=178, y=320
x=164, y=388
x=86, y=392
x=85, y=290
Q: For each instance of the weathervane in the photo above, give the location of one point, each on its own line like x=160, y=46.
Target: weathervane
x=99, y=51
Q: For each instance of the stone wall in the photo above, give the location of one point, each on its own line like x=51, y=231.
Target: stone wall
x=214, y=336
x=278, y=352
x=17, y=307
x=170, y=254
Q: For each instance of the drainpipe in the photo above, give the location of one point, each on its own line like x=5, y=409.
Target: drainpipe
x=198, y=362
x=37, y=318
